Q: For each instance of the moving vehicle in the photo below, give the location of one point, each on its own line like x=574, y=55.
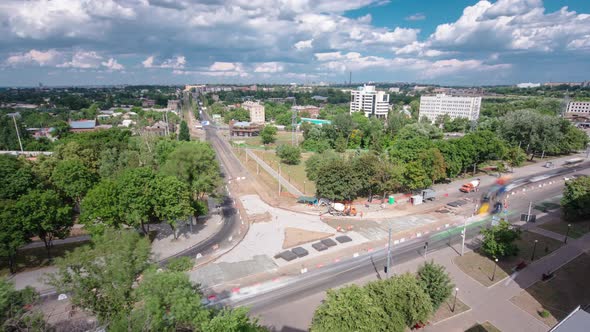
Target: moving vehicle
x=471, y=186
x=573, y=162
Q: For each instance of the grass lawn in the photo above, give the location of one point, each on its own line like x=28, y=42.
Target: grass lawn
x=559, y=295
x=295, y=174
x=481, y=268
x=445, y=311
x=578, y=228
x=483, y=327
x=30, y=259
x=283, y=137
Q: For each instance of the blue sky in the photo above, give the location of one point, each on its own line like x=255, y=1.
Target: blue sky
x=459, y=42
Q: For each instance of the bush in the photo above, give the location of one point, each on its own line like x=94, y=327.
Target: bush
x=576, y=199
x=436, y=283
x=544, y=313
x=180, y=264
x=289, y=154
x=498, y=241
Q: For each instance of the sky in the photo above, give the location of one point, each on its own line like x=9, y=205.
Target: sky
x=447, y=42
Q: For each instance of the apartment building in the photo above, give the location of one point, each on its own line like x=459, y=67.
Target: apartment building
x=256, y=111
x=578, y=108
x=369, y=101
x=454, y=106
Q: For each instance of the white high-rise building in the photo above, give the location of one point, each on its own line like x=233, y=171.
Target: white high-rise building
x=370, y=101
x=454, y=106
x=256, y=111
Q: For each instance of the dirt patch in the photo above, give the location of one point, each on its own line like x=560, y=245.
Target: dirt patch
x=260, y=217
x=481, y=268
x=484, y=327
x=298, y=236
x=449, y=309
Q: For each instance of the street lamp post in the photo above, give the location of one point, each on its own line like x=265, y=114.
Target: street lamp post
x=303, y=187
x=388, y=268
x=567, y=233
x=463, y=235
x=534, y=249
x=455, y=300
x=495, y=266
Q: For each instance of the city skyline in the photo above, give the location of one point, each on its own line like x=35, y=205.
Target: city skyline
x=72, y=42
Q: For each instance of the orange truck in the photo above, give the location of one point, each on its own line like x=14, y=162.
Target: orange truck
x=470, y=186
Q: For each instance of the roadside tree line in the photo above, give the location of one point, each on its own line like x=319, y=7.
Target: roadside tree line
x=393, y=304
x=110, y=179
x=407, y=155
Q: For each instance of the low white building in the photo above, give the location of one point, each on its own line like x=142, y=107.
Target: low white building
x=394, y=90
x=528, y=85
x=578, y=107
x=256, y=111
x=369, y=101
x=453, y=106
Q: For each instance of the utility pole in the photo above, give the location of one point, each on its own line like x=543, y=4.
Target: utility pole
x=463, y=235
x=528, y=216
x=279, y=179
x=17, y=133
x=388, y=268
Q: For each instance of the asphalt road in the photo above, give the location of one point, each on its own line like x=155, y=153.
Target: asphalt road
x=231, y=223
x=330, y=276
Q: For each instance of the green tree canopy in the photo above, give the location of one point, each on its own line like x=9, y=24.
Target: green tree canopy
x=353, y=309
x=435, y=281
x=100, y=278
x=498, y=241
x=184, y=134
x=289, y=154
x=73, y=179
x=101, y=207
x=194, y=163
x=14, y=315
x=268, y=134
x=337, y=181
x=44, y=214
x=12, y=233
x=576, y=199
x=403, y=295
x=171, y=200
x=16, y=177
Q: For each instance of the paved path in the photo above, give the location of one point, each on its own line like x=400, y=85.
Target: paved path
x=37, y=244
x=290, y=188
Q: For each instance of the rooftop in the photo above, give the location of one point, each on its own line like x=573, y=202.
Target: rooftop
x=83, y=124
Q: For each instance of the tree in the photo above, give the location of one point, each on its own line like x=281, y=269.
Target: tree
x=353, y=309
x=289, y=154
x=337, y=181
x=233, y=320
x=45, y=215
x=498, y=241
x=100, y=278
x=268, y=134
x=576, y=199
x=14, y=312
x=164, y=301
x=12, y=233
x=515, y=157
x=313, y=164
x=73, y=179
x=135, y=196
x=171, y=200
x=195, y=163
x=403, y=295
x=433, y=163
x=16, y=177
x=435, y=281
x=184, y=134
x=101, y=207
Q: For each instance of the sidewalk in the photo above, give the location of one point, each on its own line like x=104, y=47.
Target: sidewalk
x=493, y=304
